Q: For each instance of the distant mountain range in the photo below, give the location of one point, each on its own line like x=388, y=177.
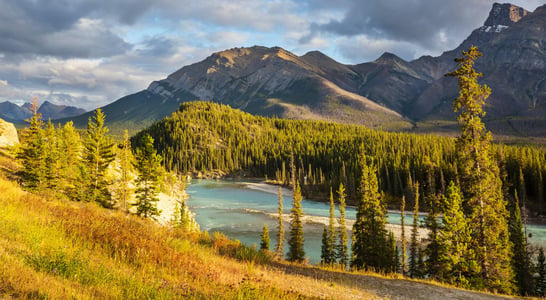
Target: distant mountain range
x=15, y=113
x=389, y=92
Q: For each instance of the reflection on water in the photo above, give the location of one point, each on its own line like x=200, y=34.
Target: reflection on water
x=239, y=209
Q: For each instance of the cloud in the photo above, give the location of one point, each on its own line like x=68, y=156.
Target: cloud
x=89, y=53
x=427, y=24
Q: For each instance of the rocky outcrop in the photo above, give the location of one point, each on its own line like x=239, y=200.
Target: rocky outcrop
x=505, y=15
x=8, y=134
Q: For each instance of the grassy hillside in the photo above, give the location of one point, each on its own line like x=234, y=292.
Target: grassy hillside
x=56, y=249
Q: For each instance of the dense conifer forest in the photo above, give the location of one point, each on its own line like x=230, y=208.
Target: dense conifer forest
x=209, y=138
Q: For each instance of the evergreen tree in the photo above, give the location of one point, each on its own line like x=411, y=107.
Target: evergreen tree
x=403, y=259
x=182, y=217
x=296, y=252
x=414, y=243
x=52, y=158
x=454, y=240
x=125, y=163
x=370, y=247
x=342, y=248
x=328, y=251
x=540, y=282
x=32, y=151
x=433, y=245
x=97, y=156
x=150, y=172
x=520, y=259
x=279, y=248
x=480, y=181
x=264, y=242
x=70, y=148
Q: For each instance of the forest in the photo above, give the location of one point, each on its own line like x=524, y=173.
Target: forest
x=205, y=137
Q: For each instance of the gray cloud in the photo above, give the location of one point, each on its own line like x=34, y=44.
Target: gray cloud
x=427, y=24
x=89, y=53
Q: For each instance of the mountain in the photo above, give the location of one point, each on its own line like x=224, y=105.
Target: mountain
x=389, y=92
x=15, y=113
x=513, y=42
x=273, y=81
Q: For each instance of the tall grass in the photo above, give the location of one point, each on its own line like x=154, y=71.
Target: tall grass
x=57, y=249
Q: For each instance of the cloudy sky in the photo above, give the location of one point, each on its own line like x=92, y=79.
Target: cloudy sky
x=88, y=53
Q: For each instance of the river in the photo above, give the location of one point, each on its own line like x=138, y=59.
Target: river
x=240, y=208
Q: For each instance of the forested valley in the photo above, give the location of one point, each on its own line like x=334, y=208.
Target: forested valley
x=208, y=138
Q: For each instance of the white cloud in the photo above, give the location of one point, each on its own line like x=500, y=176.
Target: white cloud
x=4, y=82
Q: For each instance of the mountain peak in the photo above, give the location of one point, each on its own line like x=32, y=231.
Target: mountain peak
x=389, y=58
x=505, y=15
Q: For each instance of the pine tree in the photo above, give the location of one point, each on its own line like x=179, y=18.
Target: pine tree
x=125, y=157
x=264, y=242
x=342, y=248
x=370, y=247
x=70, y=148
x=32, y=151
x=97, y=156
x=328, y=253
x=52, y=158
x=414, y=243
x=296, y=252
x=279, y=248
x=520, y=259
x=432, y=247
x=403, y=259
x=454, y=240
x=480, y=181
x=150, y=172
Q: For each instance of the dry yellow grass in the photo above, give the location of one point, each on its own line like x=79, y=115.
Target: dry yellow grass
x=58, y=249
x=51, y=248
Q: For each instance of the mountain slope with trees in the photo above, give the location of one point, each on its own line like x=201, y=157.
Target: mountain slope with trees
x=387, y=93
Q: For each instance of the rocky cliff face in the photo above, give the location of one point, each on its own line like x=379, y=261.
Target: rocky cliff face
x=8, y=134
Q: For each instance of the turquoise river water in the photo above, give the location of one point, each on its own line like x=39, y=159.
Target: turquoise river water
x=239, y=209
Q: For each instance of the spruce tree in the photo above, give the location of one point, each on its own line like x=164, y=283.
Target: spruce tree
x=403, y=259
x=328, y=251
x=125, y=163
x=279, y=248
x=70, y=148
x=370, y=247
x=480, y=181
x=414, y=243
x=52, y=158
x=520, y=259
x=97, y=156
x=432, y=247
x=454, y=240
x=32, y=151
x=264, y=241
x=150, y=172
x=296, y=253
x=342, y=247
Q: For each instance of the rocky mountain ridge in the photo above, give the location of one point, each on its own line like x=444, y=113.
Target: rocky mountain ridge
x=389, y=92
x=15, y=113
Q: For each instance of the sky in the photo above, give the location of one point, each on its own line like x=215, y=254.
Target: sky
x=88, y=53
